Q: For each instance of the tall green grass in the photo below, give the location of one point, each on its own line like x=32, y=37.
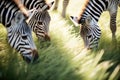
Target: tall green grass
x=65, y=58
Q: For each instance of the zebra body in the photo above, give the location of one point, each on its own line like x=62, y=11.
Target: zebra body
x=18, y=32
x=65, y=4
x=89, y=17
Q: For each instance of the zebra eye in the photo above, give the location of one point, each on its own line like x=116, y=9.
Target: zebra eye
x=24, y=37
x=40, y=23
x=89, y=36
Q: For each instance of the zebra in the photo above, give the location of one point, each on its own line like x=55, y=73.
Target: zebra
x=19, y=34
x=65, y=4
x=40, y=20
x=90, y=31
x=21, y=7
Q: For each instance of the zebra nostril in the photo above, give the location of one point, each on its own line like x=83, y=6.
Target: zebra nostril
x=31, y=57
x=26, y=59
x=47, y=37
x=35, y=55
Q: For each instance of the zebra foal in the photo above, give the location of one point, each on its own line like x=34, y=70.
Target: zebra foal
x=18, y=32
x=90, y=31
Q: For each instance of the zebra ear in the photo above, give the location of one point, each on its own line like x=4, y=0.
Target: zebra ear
x=50, y=4
x=19, y=17
x=30, y=13
x=74, y=20
x=47, y=6
x=88, y=20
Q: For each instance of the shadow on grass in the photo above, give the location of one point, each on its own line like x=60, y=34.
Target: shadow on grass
x=11, y=67
x=55, y=64
x=111, y=53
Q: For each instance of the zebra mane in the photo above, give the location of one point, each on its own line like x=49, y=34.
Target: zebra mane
x=83, y=8
x=18, y=23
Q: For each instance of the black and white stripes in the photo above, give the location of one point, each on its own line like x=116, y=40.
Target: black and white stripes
x=18, y=31
x=41, y=19
x=93, y=10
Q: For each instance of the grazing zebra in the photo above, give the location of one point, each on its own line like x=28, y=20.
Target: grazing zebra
x=65, y=4
x=39, y=22
x=18, y=32
x=89, y=17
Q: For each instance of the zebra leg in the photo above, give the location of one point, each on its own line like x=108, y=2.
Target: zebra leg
x=65, y=4
x=113, y=24
x=56, y=5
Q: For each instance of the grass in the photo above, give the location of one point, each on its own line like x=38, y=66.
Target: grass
x=65, y=58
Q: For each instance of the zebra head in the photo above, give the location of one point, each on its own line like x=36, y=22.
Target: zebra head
x=90, y=31
x=39, y=21
x=20, y=38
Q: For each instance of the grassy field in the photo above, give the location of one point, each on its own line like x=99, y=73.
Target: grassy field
x=65, y=58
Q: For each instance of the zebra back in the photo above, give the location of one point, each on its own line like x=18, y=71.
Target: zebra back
x=7, y=11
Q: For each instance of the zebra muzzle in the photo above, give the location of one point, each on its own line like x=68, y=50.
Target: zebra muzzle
x=47, y=37
x=31, y=57
x=35, y=55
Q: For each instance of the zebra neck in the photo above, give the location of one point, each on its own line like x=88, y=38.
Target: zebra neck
x=30, y=4
x=94, y=9
x=7, y=12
